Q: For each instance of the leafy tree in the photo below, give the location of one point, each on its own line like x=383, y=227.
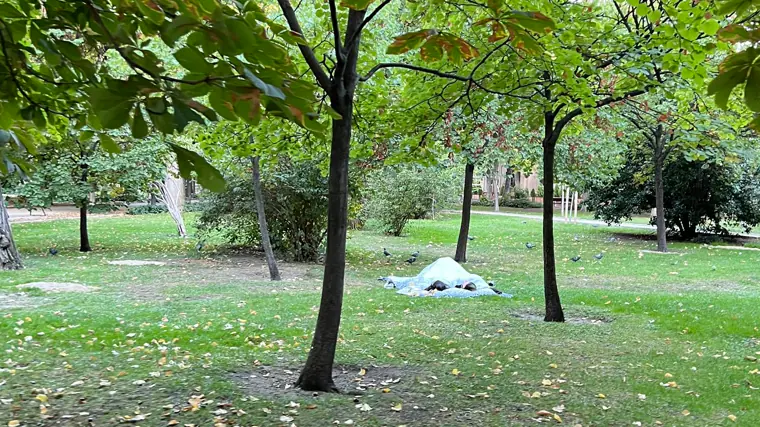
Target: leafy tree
x=602, y=54
x=75, y=169
x=710, y=194
x=741, y=68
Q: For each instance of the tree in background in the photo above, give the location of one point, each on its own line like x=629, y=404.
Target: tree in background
x=710, y=194
x=74, y=168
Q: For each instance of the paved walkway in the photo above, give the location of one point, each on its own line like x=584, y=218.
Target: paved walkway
x=592, y=222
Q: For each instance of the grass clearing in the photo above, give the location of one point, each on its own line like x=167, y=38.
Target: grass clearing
x=651, y=338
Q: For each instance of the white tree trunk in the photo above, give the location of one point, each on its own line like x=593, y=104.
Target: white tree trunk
x=173, y=196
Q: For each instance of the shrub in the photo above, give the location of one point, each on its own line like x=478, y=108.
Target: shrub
x=396, y=195
x=509, y=203
x=146, y=209
x=698, y=194
x=295, y=197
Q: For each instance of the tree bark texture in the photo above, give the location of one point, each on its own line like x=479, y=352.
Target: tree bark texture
x=317, y=373
x=554, y=311
x=10, y=259
x=659, y=189
x=84, y=237
x=464, y=227
x=274, y=272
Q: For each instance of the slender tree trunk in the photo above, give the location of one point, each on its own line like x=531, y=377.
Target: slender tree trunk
x=10, y=259
x=274, y=273
x=464, y=227
x=496, y=188
x=554, y=311
x=662, y=244
x=84, y=238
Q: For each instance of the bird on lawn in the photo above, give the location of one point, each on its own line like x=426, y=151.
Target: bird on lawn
x=611, y=239
x=470, y=238
x=386, y=253
x=576, y=238
x=530, y=245
x=416, y=254
x=199, y=246
x=53, y=251
x=575, y=258
x=599, y=256
x=411, y=260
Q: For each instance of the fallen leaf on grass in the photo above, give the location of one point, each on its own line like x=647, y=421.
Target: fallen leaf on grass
x=601, y=396
x=285, y=419
x=732, y=417
x=364, y=407
x=14, y=423
x=455, y=372
x=397, y=407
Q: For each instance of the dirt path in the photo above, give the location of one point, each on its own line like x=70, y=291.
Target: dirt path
x=18, y=216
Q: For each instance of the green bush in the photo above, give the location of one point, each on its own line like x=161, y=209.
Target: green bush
x=509, y=203
x=397, y=195
x=295, y=197
x=146, y=209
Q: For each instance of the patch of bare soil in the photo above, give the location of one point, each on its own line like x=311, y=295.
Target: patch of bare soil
x=647, y=251
x=135, y=262
x=20, y=300
x=374, y=386
x=248, y=271
x=57, y=287
x=590, y=319
x=55, y=215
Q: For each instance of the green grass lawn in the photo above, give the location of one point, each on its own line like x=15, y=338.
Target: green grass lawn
x=208, y=341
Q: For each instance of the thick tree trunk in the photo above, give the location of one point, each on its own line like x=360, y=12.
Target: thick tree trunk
x=554, y=311
x=84, y=238
x=274, y=273
x=662, y=244
x=464, y=227
x=10, y=259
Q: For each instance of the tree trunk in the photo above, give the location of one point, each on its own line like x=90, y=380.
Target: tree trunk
x=10, y=259
x=464, y=227
x=317, y=373
x=551, y=293
x=84, y=238
x=662, y=244
x=274, y=273
x=496, y=188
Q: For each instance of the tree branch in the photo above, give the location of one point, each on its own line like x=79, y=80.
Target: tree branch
x=382, y=65
x=339, y=54
x=290, y=16
x=351, y=38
